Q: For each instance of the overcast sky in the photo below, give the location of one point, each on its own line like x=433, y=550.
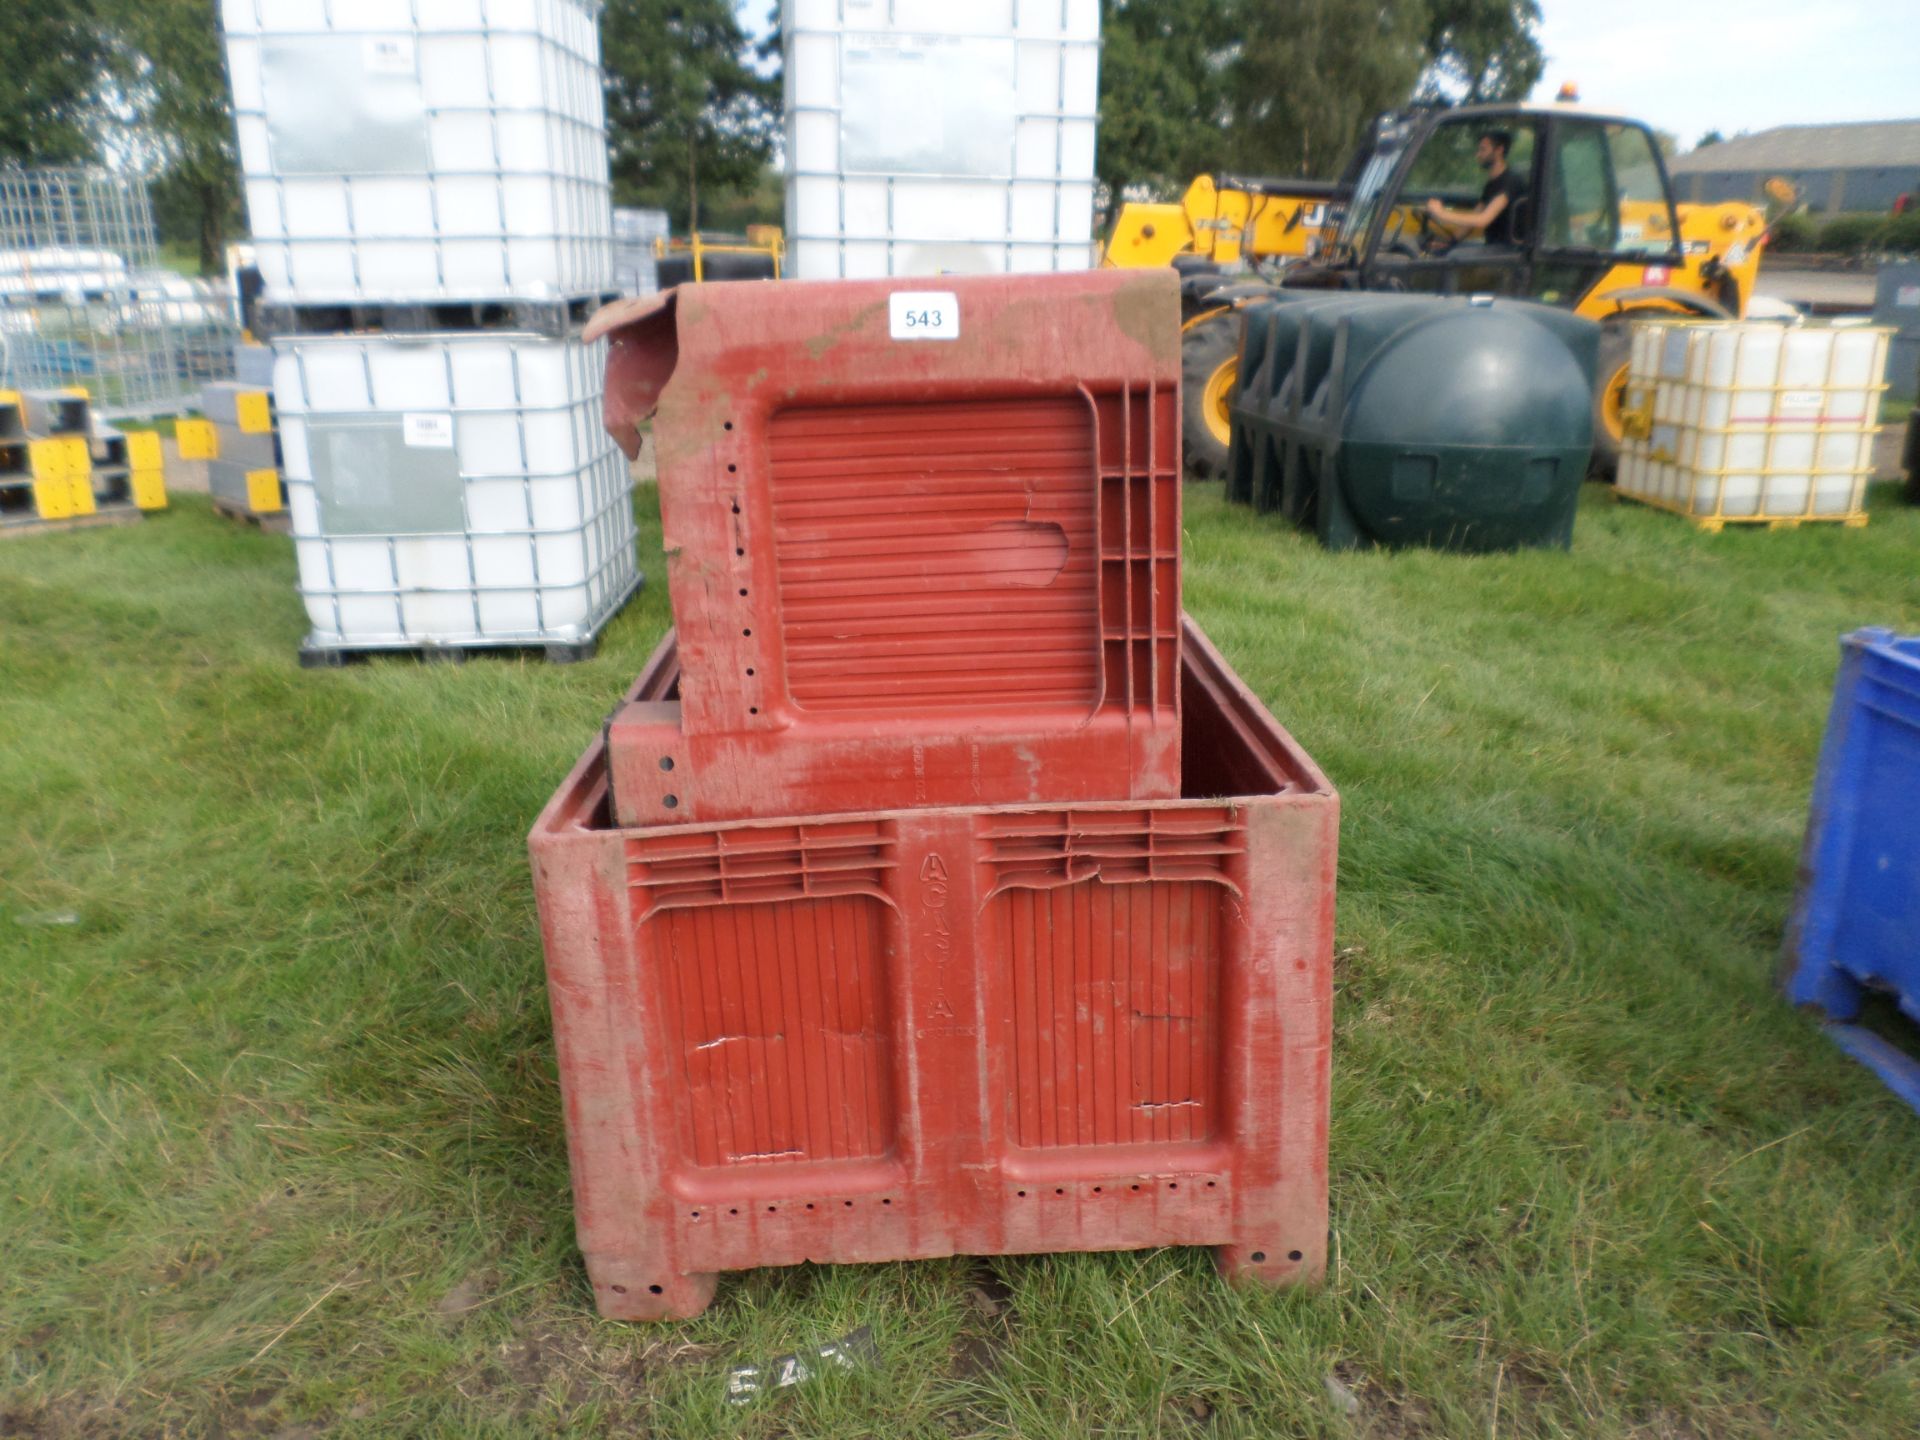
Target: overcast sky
x=1689, y=67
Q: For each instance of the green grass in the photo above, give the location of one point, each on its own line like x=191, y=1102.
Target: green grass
x=282, y=1147
x=182, y=257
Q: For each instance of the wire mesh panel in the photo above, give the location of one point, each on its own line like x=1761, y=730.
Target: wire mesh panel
x=84, y=300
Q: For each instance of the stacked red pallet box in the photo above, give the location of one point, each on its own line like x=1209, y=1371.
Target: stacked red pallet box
x=937, y=889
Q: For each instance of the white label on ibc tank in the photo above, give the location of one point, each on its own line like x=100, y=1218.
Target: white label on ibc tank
x=428, y=432
x=923, y=315
x=1800, y=403
x=387, y=54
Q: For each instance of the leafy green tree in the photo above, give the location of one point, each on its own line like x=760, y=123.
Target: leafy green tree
x=1286, y=86
x=686, y=111
x=1164, y=99
x=1482, y=49
x=173, y=76
x=1309, y=74
x=1712, y=137
x=53, y=62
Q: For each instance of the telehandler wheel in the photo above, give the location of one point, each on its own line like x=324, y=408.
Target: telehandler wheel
x=1609, y=397
x=1209, y=366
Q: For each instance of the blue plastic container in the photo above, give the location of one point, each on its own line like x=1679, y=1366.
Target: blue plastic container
x=1856, y=921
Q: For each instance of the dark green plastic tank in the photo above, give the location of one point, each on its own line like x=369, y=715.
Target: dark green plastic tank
x=1458, y=423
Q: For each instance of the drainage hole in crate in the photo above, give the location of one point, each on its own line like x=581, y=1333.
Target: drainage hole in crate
x=1021, y=1193
x=809, y=1204
x=847, y=1203
x=772, y=1208
x=1173, y=1185
x=666, y=762
x=743, y=591
x=887, y=1200
x=1096, y=1189
x=733, y=1211
x=739, y=550
x=654, y=1290
x=1259, y=1257
x=1209, y=1184
x=746, y=632
x=753, y=709
x=734, y=469
x=618, y=1289
x=749, y=670
x=1293, y=1254
x=672, y=802
x=736, y=504
x=696, y=1214
x=1059, y=1191
x=1136, y=1187
x=726, y=424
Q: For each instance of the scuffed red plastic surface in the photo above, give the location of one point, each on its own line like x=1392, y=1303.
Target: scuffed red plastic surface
x=908, y=573
x=910, y=1033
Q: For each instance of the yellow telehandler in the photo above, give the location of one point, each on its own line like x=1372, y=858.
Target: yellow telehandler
x=1595, y=228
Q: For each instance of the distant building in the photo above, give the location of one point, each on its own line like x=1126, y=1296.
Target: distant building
x=1863, y=166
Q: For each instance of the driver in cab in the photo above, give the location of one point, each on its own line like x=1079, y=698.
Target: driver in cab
x=1503, y=190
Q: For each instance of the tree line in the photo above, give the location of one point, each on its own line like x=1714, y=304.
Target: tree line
x=693, y=101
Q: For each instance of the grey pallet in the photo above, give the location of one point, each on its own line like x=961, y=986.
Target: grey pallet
x=325, y=657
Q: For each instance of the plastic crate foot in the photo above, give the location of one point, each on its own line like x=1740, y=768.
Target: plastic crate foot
x=572, y=654
x=317, y=659
x=1267, y=1263
x=1898, y=1070
x=629, y=1290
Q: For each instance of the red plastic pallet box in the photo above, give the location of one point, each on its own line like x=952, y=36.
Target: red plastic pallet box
x=908, y=571
x=910, y=1033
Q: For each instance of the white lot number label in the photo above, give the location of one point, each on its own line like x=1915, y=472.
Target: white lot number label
x=387, y=54
x=1800, y=404
x=427, y=431
x=923, y=315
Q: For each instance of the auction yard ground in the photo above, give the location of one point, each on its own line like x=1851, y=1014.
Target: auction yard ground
x=282, y=1151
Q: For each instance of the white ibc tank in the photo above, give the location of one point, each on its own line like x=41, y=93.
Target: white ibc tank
x=1753, y=421
x=453, y=489
x=928, y=137
x=422, y=149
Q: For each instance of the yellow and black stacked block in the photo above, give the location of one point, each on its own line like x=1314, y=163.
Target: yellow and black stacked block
x=241, y=444
x=51, y=429
x=58, y=463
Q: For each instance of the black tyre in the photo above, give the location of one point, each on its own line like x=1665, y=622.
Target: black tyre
x=1209, y=363
x=1609, y=387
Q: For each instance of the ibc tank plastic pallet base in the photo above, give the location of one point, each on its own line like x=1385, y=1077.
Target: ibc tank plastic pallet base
x=982, y=1030
x=1714, y=524
x=318, y=655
